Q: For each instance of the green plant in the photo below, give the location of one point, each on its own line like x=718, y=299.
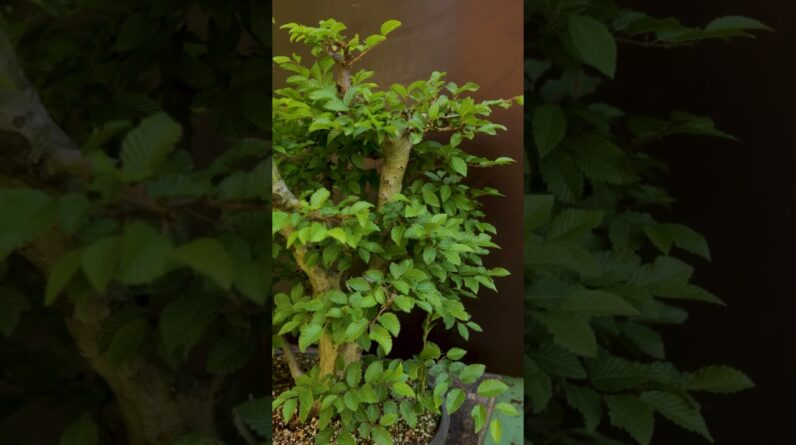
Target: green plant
x=355, y=258
x=128, y=236
x=602, y=267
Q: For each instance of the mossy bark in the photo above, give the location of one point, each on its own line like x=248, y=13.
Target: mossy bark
x=396, y=153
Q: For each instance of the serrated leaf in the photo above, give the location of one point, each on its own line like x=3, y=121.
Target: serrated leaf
x=587, y=402
x=24, y=214
x=228, y=355
x=678, y=410
x=403, y=389
x=257, y=415
x=571, y=331
x=459, y=166
x=454, y=400
x=390, y=322
x=144, y=254
x=99, y=261
x=126, y=340
x=61, y=275
x=382, y=337
x=631, y=414
x=549, y=127
x=597, y=303
x=594, y=43
x=491, y=388
x=184, y=320
x=208, y=257
x=310, y=334
x=146, y=146
x=718, y=379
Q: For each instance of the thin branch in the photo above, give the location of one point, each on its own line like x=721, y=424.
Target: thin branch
x=292, y=362
x=652, y=43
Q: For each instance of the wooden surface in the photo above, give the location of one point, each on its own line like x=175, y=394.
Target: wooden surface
x=479, y=41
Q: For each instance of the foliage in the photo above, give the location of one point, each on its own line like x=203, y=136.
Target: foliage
x=352, y=260
x=602, y=273
x=159, y=232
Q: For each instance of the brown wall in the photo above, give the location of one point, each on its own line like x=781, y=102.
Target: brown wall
x=471, y=40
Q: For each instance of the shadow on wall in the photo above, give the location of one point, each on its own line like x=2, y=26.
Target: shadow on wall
x=474, y=41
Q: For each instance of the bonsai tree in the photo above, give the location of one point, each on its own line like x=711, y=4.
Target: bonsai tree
x=133, y=205
x=372, y=218
x=605, y=267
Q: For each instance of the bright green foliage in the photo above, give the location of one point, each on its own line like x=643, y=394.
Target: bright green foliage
x=357, y=262
x=602, y=274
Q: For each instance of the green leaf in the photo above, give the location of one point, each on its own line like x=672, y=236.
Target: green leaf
x=374, y=372
x=184, y=320
x=353, y=374
x=82, y=431
x=718, y=379
x=587, y=402
x=454, y=400
x=736, y=23
x=24, y=214
x=289, y=408
x=61, y=275
x=456, y=353
x=572, y=223
x=480, y=416
x=459, y=166
x=389, y=26
x=381, y=436
x=126, y=340
x=228, y=355
x=319, y=198
x=549, y=127
x=491, y=388
x=678, y=410
x=144, y=254
x=209, y=257
x=496, y=430
x=594, y=43
x=471, y=373
x=310, y=334
x=257, y=415
x=508, y=409
x=390, y=322
x=537, y=210
x=597, y=303
x=402, y=389
x=570, y=331
x=382, y=337
x=631, y=414
x=689, y=240
x=73, y=209
x=99, y=261
x=146, y=147
x=558, y=361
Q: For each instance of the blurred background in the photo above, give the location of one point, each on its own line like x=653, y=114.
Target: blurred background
x=474, y=41
x=740, y=195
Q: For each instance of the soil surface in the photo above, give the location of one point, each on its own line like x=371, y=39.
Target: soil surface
x=296, y=433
